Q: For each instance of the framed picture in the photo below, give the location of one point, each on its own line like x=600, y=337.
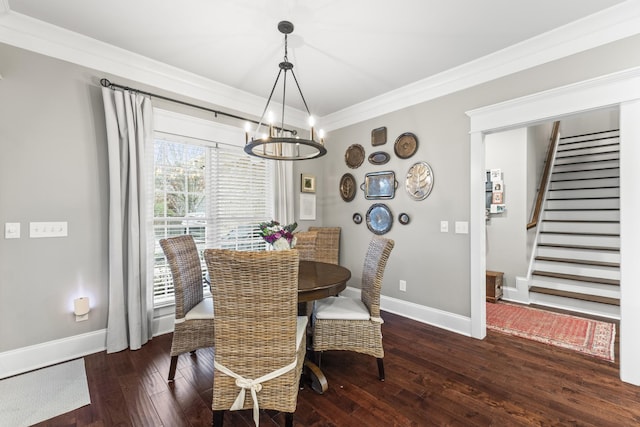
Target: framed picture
x=307, y=207
x=307, y=183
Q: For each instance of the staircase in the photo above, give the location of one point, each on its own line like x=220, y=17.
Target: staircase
x=577, y=262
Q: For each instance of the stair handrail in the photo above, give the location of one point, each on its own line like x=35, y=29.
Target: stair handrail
x=553, y=142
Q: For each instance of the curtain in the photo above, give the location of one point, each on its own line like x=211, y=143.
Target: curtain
x=128, y=118
x=284, y=206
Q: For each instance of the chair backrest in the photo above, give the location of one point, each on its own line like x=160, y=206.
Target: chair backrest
x=375, y=262
x=186, y=270
x=306, y=245
x=327, y=244
x=255, y=296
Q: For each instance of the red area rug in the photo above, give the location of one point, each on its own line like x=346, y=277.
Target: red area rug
x=587, y=336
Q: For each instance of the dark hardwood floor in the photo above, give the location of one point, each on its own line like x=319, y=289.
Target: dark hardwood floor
x=433, y=378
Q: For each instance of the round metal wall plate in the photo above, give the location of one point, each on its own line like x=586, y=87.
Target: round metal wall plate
x=406, y=145
x=379, y=218
x=354, y=156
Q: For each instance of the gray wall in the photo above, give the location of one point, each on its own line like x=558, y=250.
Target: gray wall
x=434, y=264
x=53, y=168
x=506, y=234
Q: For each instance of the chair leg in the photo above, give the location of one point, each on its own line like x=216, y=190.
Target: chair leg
x=288, y=417
x=172, y=367
x=380, y=369
x=218, y=418
x=317, y=355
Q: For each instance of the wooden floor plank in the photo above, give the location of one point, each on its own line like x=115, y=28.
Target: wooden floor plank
x=433, y=378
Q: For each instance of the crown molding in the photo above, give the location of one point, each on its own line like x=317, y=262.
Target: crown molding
x=615, y=23
x=31, y=34
x=609, y=25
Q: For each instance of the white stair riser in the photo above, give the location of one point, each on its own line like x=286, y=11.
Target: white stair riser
x=587, y=307
x=567, y=147
x=568, y=139
x=585, y=288
x=579, y=254
x=584, y=183
x=584, y=193
x=582, y=227
x=612, y=273
x=583, y=204
x=571, y=239
x=614, y=155
x=580, y=150
x=586, y=166
x=613, y=172
x=578, y=215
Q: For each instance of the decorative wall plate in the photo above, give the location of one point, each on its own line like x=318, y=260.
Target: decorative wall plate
x=379, y=158
x=379, y=218
x=347, y=187
x=379, y=136
x=357, y=218
x=379, y=185
x=406, y=145
x=403, y=218
x=419, y=181
x=354, y=156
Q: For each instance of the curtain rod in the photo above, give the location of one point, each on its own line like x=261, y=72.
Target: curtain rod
x=107, y=83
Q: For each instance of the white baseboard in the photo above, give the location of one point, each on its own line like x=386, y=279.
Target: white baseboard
x=25, y=359
x=37, y=356
x=431, y=316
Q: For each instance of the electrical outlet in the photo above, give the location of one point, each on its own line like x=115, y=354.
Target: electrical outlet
x=444, y=226
x=403, y=285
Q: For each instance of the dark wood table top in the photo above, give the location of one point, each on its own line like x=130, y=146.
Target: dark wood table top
x=318, y=280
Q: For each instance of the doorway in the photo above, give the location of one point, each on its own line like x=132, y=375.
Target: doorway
x=620, y=89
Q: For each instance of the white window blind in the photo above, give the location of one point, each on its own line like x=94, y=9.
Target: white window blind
x=216, y=193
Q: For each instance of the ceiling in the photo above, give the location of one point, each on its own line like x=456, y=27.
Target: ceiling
x=344, y=52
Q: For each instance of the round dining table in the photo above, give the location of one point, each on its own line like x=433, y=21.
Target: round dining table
x=317, y=280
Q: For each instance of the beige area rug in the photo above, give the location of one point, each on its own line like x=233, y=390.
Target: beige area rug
x=588, y=336
x=42, y=394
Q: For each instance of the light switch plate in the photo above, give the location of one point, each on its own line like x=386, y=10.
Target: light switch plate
x=47, y=229
x=12, y=230
x=462, y=227
x=444, y=226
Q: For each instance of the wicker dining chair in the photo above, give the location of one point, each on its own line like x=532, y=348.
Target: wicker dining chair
x=193, y=327
x=306, y=245
x=260, y=342
x=354, y=324
x=327, y=244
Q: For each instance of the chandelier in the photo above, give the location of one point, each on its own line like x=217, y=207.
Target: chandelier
x=279, y=143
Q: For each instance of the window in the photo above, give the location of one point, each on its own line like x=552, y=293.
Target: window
x=213, y=191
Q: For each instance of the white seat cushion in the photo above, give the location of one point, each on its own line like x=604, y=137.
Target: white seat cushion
x=341, y=308
x=204, y=310
x=301, y=327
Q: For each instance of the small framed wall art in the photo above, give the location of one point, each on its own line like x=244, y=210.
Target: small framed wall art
x=307, y=183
